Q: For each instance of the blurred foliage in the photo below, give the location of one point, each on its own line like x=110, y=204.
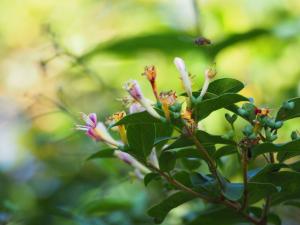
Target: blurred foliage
x=59, y=58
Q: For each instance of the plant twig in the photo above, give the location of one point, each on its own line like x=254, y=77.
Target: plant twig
x=223, y=201
x=245, y=179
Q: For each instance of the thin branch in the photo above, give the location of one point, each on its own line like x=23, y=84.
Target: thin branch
x=245, y=179
x=223, y=201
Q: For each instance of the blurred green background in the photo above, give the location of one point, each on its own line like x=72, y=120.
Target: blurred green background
x=59, y=58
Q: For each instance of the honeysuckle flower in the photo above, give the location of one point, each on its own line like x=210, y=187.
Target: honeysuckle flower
x=184, y=76
x=167, y=99
x=132, y=105
x=130, y=160
x=96, y=130
x=153, y=158
x=209, y=75
x=150, y=73
x=121, y=128
x=135, y=92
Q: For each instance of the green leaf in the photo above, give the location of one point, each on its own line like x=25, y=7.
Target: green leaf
x=205, y=139
x=105, y=153
x=141, y=139
x=183, y=177
x=292, y=146
x=160, y=211
x=205, y=184
x=106, y=206
x=293, y=203
x=137, y=118
x=167, y=161
x=274, y=219
x=163, y=132
x=260, y=190
x=233, y=191
x=216, y=215
x=150, y=177
x=287, y=114
x=289, y=183
x=224, y=85
x=225, y=150
x=295, y=166
x=208, y=106
x=191, y=163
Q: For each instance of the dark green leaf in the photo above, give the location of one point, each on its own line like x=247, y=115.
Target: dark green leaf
x=233, y=191
x=183, y=177
x=205, y=184
x=137, y=118
x=295, y=166
x=287, y=181
x=217, y=215
x=205, y=139
x=292, y=146
x=105, y=153
x=225, y=85
x=160, y=211
x=287, y=114
x=274, y=219
x=141, y=139
x=167, y=161
x=293, y=203
x=191, y=163
x=150, y=177
x=225, y=150
x=163, y=132
x=208, y=106
x=260, y=190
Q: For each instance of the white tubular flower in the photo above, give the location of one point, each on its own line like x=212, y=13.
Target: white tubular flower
x=209, y=75
x=129, y=159
x=96, y=130
x=153, y=158
x=184, y=75
x=134, y=90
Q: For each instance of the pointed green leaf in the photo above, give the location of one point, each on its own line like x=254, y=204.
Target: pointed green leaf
x=104, y=153
x=150, y=177
x=287, y=114
x=137, y=118
x=292, y=146
x=205, y=139
x=167, y=161
x=208, y=106
x=141, y=139
x=225, y=150
x=160, y=211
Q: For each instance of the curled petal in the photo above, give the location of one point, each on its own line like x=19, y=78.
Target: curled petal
x=89, y=119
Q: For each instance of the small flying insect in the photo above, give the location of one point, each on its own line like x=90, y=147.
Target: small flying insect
x=202, y=41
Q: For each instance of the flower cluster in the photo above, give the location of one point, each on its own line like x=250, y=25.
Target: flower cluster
x=166, y=108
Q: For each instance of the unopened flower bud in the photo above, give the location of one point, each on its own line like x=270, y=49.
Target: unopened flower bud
x=150, y=73
x=184, y=76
